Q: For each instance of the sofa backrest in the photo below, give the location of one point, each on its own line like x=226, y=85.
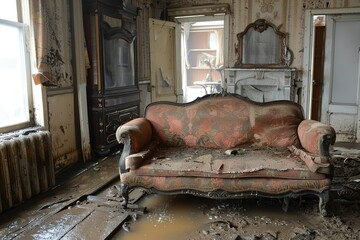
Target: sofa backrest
x=216, y=121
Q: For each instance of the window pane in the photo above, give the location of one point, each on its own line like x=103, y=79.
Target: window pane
x=8, y=10
x=13, y=82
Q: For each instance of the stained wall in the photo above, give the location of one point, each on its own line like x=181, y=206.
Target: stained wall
x=289, y=14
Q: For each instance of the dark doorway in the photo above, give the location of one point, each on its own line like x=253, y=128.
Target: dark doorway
x=318, y=71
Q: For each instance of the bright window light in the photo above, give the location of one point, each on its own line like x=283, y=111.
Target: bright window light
x=8, y=10
x=14, y=69
x=13, y=89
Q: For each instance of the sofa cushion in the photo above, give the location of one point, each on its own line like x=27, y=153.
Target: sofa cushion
x=249, y=162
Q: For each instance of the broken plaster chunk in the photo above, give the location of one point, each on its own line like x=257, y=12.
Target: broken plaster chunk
x=126, y=226
x=204, y=158
x=205, y=232
x=220, y=168
x=135, y=216
x=231, y=152
x=234, y=151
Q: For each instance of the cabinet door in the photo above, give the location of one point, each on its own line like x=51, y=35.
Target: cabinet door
x=165, y=60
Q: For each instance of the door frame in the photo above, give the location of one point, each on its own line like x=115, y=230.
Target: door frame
x=307, y=75
x=225, y=18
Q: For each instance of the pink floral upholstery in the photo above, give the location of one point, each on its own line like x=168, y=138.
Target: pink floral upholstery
x=214, y=124
x=226, y=122
x=312, y=133
x=138, y=130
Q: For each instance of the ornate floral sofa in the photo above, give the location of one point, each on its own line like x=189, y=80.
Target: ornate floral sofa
x=226, y=147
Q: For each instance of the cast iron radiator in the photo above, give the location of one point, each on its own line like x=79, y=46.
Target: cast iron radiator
x=26, y=167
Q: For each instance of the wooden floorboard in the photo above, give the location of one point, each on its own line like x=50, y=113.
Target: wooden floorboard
x=100, y=224
x=58, y=225
x=39, y=215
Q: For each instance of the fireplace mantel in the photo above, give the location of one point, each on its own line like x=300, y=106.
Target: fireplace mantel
x=262, y=84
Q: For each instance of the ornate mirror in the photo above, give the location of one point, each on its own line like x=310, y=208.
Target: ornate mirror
x=262, y=44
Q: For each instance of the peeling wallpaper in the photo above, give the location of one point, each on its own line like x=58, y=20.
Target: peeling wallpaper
x=287, y=13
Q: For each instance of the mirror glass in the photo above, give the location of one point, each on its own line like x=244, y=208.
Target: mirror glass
x=119, y=56
x=262, y=45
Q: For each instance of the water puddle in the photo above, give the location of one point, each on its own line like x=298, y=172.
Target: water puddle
x=189, y=217
x=166, y=218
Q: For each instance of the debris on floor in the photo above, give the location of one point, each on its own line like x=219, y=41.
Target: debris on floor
x=346, y=181
x=89, y=207
x=188, y=217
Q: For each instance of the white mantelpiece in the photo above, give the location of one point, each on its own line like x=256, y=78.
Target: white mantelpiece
x=262, y=84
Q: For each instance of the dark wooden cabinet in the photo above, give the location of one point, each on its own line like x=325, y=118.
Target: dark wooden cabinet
x=112, y=85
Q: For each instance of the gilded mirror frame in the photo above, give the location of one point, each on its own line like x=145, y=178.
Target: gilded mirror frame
x=279, y=53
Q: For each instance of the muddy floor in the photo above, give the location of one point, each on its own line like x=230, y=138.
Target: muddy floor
x=187, y=217
x=88, y=206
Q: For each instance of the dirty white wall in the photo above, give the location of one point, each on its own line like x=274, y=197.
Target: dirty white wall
x=61, y=108
x=62, y=128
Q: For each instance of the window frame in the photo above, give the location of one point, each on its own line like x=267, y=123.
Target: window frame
x=23, y=26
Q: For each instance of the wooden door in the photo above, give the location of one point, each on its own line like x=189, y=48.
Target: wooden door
x=165, y=62
x=340, y=104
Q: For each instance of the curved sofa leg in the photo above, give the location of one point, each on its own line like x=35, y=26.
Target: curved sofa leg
x=124, y=194
x=323, y=201
x=285, y=205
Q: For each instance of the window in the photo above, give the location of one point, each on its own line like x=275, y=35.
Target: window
x=15, y=85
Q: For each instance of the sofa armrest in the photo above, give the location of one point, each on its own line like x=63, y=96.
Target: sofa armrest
x=316, y=137
x=135, y=135
x=136, y=160
x=315, y=163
